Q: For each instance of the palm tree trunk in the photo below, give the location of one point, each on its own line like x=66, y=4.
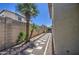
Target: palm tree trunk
x=31, y=33
x=27, y=28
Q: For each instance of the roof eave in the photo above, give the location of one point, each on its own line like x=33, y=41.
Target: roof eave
x=50, y=9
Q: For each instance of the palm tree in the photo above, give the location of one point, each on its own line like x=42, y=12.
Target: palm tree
x=29, y=10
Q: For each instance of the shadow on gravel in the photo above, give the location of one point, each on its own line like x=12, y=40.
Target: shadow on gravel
x=20, y=50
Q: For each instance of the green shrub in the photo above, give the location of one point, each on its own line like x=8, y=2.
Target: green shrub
x=21, y=37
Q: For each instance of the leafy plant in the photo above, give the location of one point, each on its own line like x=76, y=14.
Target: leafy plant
x=21, y=37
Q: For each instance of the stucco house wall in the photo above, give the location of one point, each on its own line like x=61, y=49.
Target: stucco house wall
x=13, y=15
x=66, y=28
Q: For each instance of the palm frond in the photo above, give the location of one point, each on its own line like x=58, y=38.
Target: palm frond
x=28, y=8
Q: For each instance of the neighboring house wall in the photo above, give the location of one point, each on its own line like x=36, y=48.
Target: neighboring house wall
x=66, y=25
x=13, y=15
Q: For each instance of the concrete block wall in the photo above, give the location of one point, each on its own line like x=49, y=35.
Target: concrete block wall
x=2, y=35
x=9, y=31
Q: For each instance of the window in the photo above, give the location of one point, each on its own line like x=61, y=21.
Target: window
x=19, y=18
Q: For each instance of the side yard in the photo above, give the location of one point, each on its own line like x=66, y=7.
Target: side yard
x=9, y=31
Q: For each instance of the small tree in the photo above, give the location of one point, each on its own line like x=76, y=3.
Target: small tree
x=29, y=10
x=34, y=27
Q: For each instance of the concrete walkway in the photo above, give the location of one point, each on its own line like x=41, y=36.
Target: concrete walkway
x=37, y=46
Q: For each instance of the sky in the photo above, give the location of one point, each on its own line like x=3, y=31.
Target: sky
x=43, y=17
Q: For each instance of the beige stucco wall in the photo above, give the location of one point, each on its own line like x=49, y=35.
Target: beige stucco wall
x=66, y=25
x=9, y=14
